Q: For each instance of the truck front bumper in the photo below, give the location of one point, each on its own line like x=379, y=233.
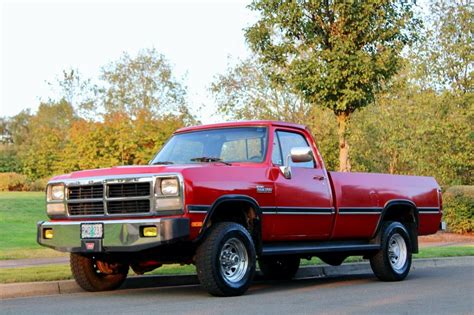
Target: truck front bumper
x=118, y=235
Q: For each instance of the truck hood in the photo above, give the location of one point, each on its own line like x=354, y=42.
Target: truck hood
x=131, y=170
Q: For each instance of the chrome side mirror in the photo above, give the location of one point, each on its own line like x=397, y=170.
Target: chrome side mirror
x=301, y=154
x=297, y=155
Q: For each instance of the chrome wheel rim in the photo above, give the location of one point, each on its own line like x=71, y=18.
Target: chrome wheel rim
x=397, y=252
x=233, y=260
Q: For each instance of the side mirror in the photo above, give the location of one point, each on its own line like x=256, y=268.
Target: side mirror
x=301, y=154
x=297, y=155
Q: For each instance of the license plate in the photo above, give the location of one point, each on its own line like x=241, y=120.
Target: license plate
x=92, y=230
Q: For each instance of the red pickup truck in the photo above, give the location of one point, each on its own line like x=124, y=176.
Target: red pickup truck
x=228, y=195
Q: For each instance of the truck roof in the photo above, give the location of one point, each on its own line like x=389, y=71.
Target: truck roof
x=242, y=123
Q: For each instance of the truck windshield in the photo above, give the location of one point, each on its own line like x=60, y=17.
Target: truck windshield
x=244, y=144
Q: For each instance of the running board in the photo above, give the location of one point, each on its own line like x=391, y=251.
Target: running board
x=308, y=248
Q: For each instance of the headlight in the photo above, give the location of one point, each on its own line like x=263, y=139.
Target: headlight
x=56, y=192
x=168, y=195
x=169, y=187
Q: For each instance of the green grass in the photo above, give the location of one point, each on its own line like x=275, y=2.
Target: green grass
x=446, y=251
x=37, y=273
x=62, y=272
x=19, y=212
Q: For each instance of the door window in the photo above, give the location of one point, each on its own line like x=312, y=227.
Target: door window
x=287, y=141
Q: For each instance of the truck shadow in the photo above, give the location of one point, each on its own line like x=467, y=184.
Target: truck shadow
x=188, y=285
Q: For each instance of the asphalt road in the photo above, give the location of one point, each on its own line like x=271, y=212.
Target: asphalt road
x=438, y=290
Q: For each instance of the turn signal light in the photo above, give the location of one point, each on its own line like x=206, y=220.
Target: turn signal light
x=48, y=234
x=149, y=231
x=196, y=224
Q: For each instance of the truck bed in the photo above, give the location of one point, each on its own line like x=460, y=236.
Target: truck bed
x=360, y=199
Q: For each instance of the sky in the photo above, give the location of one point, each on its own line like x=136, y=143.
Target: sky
x=41, y=38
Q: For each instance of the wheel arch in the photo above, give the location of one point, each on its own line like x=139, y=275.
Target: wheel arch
x=403, y=211
x=242, y=209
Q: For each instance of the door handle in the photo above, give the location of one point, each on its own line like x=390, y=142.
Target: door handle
x=319, y=177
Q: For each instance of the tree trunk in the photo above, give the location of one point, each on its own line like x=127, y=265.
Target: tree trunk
x=344, y=163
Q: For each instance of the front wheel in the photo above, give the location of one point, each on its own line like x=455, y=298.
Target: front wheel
x=393, y=261
x=93, y=274
x=225, y=261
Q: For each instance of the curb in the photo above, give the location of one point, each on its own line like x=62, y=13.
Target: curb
x=26, y=289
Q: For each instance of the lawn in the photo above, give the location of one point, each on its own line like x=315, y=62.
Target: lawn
x=19, y=212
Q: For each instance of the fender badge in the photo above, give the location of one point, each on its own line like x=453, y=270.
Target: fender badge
x=264, y=190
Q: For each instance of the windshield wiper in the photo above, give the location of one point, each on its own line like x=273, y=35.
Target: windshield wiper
x=162, y=163
x=209, y=159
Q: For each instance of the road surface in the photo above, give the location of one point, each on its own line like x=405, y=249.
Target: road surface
x=437, y=290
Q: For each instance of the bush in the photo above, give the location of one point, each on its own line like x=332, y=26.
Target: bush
x=38, y=185
x=19, y=182
x=458, y=204
x=13, y=182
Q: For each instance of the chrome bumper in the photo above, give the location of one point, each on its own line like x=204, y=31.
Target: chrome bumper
x=119, y=235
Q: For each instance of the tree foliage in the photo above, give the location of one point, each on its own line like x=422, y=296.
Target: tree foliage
x=418, y=133
x=118, y=140
x=246, y=92
x=445, y=57
x=121, y=119
x=45, y=139
x=335, y=54
x=141, y=83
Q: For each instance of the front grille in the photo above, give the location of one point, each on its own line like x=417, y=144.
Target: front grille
x=90, y=199
x=86, y=192
x=128, y=206
x=86, y=208
x=129, y=190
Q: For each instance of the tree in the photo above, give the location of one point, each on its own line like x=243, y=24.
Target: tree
x=45, y=138
x=445, y=57
x=119, y=140
x=246, y=92
x=335, y=54
x=416, y=132
x=143, y=83
x=81, y=93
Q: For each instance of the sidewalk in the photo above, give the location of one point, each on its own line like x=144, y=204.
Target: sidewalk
x=30, y=262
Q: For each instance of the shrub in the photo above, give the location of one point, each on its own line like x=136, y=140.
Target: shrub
x=458, y=204
x=19, y=182
x=13, y=182
x=38, y=185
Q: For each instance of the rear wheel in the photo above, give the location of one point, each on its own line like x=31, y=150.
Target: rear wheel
x=279, y=267
x=93, y=274
x=393, y=261
x=225, y=261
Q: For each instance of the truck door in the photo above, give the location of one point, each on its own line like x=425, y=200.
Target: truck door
x=303, y=203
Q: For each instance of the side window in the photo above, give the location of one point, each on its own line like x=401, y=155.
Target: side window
x=290, y=140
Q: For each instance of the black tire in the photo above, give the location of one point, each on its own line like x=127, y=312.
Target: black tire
x=89, y=277
x=333, y=259
x=387, y=264
x=218, y=269
x=279, y=267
